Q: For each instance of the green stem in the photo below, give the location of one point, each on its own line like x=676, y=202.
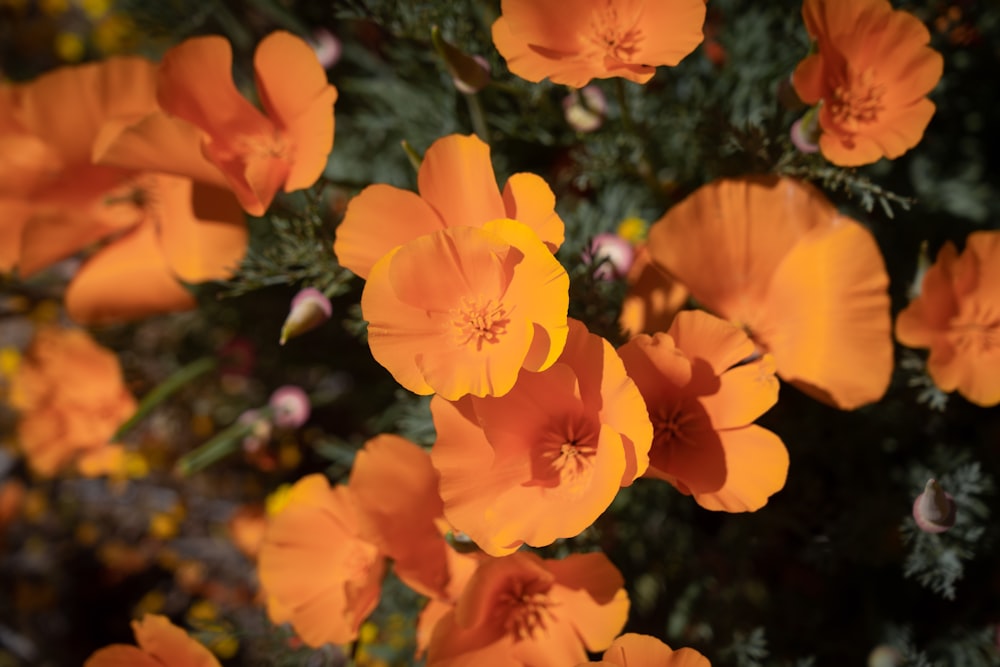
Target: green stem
x=165, y=390
x=224, y=443
x=478, y=117
x=627, y=122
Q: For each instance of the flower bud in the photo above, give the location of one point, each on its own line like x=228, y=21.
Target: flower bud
x=290, y=405
x=585, y=109
x=934, y=509
x=805, y=132
x=326, y=46
x=310, y=308
x=884, y=655
x=470, y=74
x=258, y=433
x=612, y=254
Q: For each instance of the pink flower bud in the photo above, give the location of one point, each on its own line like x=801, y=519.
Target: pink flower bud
x=310, y=308
x=326, y=46
x=884, y=655
x=934, y=509
x=260, y=430
x=805, y=132
x=612, y=254
x=290, y=405
x=585, y=109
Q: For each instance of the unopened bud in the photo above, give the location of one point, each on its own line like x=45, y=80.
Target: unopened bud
x=884, y=655
x=470, y=74
x=258, y=432
x=585, y=109
x=805, y=132
x=923, y=263
x=612, y=254
x=310, y=308
x=290, y=406
x=934, y=509
x=326, y=46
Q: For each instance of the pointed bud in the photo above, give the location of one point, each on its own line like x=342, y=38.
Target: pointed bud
x=585, y=109
x=934, y=509
x=469, y=73
x=290, y=406
x=923, y=263
x=310, y=308
x=805, y=132
x=612, y=255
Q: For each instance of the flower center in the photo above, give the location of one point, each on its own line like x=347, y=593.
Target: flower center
x=857, y=101
x=565, y=461
x=669, y=424
x=976, y=332
x=262, y=145
x=479, y=320
x=525, y=612
x=609, y=32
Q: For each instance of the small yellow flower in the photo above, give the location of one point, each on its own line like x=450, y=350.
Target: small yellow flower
x=163, y=526
x=95, y=9
x=277, y=500
x=69, y=47
x=632, y=229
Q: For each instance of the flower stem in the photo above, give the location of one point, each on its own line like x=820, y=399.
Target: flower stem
x=478, y=117
x=222, y=444
x=165, y=390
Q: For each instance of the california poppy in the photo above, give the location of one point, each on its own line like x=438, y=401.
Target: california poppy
x=545, y=460
x=653, y=298
x=160, y=644
x=521, y=610
x=634, y=650
x=71, y=397
x=957, y=316
x=871, y=73
x=573, y=42
x=773, y=256
x=317, y=571
x=462, y=310
x=457, y=189
x=703, y=392
x=285, y=148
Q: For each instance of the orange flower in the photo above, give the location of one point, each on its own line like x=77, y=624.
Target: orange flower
x=702, y=395
x=258, y=154
x=871, y=72
x=161, y=644
x=462, y=310
x=316, y=570
x=457, y=189
x=521, y=610
x=72, y=399
x=773, y=256
x=57, y=201
x=574, y=42
x=957, y=316
x=632, y=650
x=545, y=460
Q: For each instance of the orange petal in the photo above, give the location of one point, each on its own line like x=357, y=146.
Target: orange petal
x=120, y=655
x=13, y=213
x=808, y=79
x=456, y=178
x=170, y=645
x=677, y=27
x=658, y=368
x=828, y=317
x=125, y=280
x=377, y=220
x=591, y=586
x=653, y=297
x=756, y=464
x=928, y=315
x=528, y=199
x=745, y=393
x=692, y=455
x=546, y=23
x=294, y=91
x=712, y=340
x=527, y=62
x=633, y=650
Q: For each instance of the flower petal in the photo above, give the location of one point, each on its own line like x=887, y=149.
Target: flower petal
x=170, y=645
x=528, y=199
x=456, y=178
x=756, y=464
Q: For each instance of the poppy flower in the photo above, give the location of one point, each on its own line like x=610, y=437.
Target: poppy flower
x=462, y=310
x=71, y=397
x=317, y=571
x=286, y=147
x=652, y=300
x=573, y=42
x=158, y=229
x=871, y=72
x=521, y=610
x=161, y=644
x=457, y=189
x=773, y=256
x=957, y=316
x=703, y=394
x=633, y=650
x=545, y=460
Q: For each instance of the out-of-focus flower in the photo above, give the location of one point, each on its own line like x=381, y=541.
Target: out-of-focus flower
x=545, y=460
x=805, y=132
x=576, y=41
x=290, y=406
x=326, y=46
x=161, y=644
x=310, y=308
x=457, y=189
x=934, y=509
x=585, y=109
x=521, y=610
x=255, y=153
x=54, y=201
x=703, y=394
x=633, y=650
x=653, y=298
x=12, y=494
x=870, y=74
x=774, y=257
x=612, y=254
x=316, y=570
x=462, y=310
x=246, y=529
x=72, y=399
x=957, y=316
